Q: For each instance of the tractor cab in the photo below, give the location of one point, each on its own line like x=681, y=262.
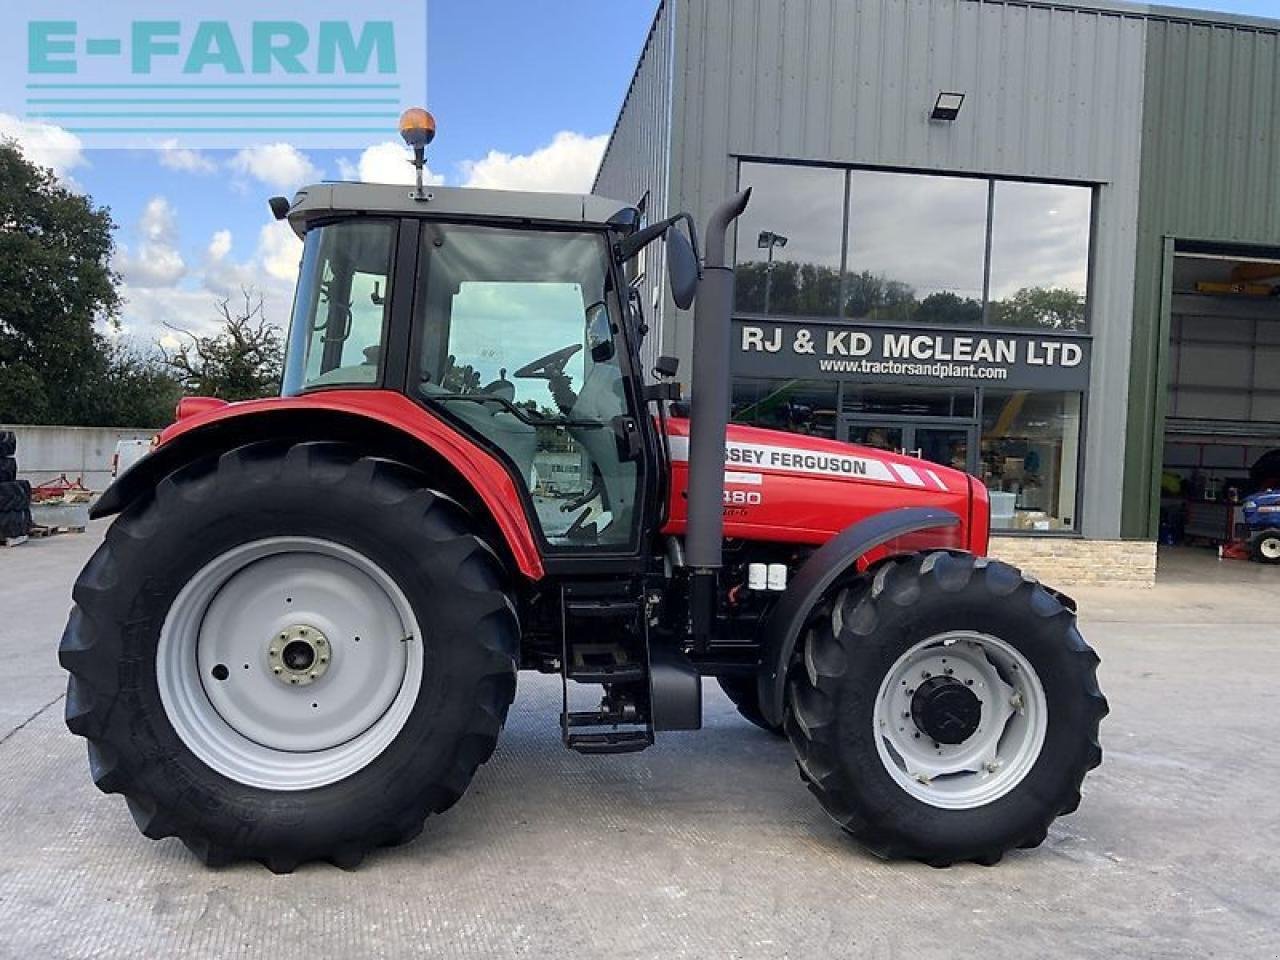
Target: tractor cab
x=506, y=315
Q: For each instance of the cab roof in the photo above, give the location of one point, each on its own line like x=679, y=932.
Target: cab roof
x=325, y=200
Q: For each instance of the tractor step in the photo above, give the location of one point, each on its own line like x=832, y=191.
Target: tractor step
x=616, y=741
x=605, y=642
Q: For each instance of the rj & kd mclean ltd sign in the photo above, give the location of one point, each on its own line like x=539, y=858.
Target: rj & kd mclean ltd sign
x=831, y=351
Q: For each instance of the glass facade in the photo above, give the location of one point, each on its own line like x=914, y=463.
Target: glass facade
x=881, y=246
x=873, y=247
x=1030, y=458
x=916, y=248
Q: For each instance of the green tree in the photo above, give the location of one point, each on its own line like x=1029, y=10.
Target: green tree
x=242, y=361
x=55, y=282
x=1054, y=308
x=132, y=389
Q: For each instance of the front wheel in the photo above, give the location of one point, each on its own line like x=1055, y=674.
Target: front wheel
x=946, y=711
x=289, y=654
x=1266, y=546
x=744, y=692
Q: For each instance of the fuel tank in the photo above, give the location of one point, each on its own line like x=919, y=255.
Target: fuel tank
x=790, y=488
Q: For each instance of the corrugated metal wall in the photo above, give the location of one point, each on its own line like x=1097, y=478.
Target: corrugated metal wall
x=1210, y=172
x=1054, y=93
x=637, y=160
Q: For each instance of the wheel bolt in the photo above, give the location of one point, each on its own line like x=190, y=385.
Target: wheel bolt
x=948, y=671
x=324, y=659
x=275, y=670
x=926, y=674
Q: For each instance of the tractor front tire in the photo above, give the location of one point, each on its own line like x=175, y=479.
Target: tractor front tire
x=1265, y=547
x=745, y=694
x=288, y=653
x=945, y=711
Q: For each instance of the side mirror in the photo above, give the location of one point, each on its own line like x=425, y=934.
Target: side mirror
x=682, y=269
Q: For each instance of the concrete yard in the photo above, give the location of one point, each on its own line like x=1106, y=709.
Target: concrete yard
x=705, y=846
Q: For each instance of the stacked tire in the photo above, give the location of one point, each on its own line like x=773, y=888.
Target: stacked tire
x=15, y=494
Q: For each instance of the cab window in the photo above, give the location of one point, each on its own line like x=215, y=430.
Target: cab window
x=340, y=315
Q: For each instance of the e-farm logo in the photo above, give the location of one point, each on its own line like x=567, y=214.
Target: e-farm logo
x=224, y=74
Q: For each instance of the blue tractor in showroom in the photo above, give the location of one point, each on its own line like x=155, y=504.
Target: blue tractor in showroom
x=1262, y=514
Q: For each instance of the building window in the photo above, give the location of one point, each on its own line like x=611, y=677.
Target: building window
x=916, y=246
x=900, y=400
x=796, y=406
x=789, y=241
x=1039, y=255
x=1030, y=458
x=911, y=248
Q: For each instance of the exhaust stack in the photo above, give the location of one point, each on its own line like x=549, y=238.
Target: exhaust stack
x=710, y=416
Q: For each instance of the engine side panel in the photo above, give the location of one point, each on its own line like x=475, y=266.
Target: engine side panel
x=786, y=488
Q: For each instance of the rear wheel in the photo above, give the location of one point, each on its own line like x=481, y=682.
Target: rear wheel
x=1266, y=546
x=290, y=654
x=745, y=694
x=947, y=711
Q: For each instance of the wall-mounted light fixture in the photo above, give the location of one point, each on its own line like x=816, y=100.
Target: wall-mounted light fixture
x=947, y=107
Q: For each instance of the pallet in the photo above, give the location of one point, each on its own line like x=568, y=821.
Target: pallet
x=40, y=530
x=14, y=541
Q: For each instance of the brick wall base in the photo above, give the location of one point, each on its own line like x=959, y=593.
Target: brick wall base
x=1060, y=561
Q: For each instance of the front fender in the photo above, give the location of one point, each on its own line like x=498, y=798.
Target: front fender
x=377, y=418
x=824, y=567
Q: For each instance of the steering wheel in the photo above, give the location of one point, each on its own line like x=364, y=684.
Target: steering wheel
x=549, y=367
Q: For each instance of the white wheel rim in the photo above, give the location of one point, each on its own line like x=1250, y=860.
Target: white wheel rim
x=1270, y=547
x=994, y=758
x=253, y=708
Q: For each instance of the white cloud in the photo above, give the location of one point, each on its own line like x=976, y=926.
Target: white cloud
x=567, y=164
x=44, y=144
x=187, y=161
x=386, y=162
x=158, y=261
x=279, y=165
x=152, y=313
x=279, y=251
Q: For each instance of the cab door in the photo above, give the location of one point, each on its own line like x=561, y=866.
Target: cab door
x=519, y=342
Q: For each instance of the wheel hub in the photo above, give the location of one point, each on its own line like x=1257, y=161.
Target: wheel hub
x=960, y=719
x=946, y=710
x=299, y=655
x=288, y=663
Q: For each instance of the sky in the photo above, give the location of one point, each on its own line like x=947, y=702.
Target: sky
x=525, y=93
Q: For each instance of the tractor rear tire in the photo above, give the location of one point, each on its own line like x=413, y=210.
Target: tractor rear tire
x=15, y=523
x=8, y=443
x=744, y=693
x=15, y=495
x=8, y=469
x=1265, y=547
x=947, y=711
x=228, y=756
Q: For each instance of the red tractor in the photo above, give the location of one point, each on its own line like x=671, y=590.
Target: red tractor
x=302, y=633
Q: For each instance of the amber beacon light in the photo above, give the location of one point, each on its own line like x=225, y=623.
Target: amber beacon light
x=418, y=128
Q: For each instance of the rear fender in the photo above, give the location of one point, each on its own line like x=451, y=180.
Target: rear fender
x=836, y=558
x=378, y=422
